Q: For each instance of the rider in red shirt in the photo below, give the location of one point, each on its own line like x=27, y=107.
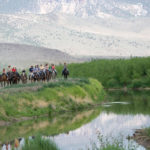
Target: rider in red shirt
x=13, y=69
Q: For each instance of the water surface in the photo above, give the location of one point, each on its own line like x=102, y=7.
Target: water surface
x=116, y=119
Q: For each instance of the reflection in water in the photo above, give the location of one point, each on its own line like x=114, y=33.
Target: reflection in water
x=46, y=126
x=119, y=118
x=109, y=125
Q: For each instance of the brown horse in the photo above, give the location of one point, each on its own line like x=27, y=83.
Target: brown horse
x=24, y=78
x=4, y=79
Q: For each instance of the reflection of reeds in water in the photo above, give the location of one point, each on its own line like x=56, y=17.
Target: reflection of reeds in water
x=32, y=143
x=48, y=126
x=110, y=143
x=39, y=143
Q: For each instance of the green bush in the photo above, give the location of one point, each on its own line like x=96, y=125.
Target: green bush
x=112, y=83
x=113, y=72
x=136, y=83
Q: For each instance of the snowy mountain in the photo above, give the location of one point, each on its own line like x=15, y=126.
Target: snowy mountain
x=78, y=27
x=82, y=8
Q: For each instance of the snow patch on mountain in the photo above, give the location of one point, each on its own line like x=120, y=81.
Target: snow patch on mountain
x=76, y=36
x=80, y=8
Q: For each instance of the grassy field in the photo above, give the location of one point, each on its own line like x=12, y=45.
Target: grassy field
x=55, y=97
x=114, y=73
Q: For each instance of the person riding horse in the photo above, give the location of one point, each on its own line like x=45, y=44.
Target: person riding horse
x=30, y=72
x=24, y=77
x=53, y=72
x=4, y=77
x=15, y=77
x=65, y=71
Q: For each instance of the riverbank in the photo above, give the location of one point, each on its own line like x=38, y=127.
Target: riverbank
x=142, y=137
x=25, y=102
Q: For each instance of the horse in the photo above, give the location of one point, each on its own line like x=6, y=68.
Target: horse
x=65, y=73
x=47, y=74
x=15, y=77
x=42, y=76
x=24, y=78
x=4, y=79
x=35, y=77
x=53, y=74
x=9, y=77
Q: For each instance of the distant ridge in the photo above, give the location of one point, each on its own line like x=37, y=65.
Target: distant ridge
x=25, y=55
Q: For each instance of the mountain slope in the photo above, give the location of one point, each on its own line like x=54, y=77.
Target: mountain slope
x=78, y=27
x=105, y=37
x=24, y=55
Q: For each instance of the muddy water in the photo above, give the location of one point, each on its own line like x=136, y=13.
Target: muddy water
x=117, y=119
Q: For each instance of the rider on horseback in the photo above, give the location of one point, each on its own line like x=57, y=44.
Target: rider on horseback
x=9, y=70
x=14, y=70
x=41, y=69
x=46, y=67
x=65, y=71
x=4, y=71
x=30, y=72
x=65, y=67
x=52, y=68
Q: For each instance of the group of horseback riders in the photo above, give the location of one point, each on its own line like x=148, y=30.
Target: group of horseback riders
x=39, y=70
x=36, y=73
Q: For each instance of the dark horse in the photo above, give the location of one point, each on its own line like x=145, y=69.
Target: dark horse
x=35, y=77
x=47, y=73
x=42, y=76
x=65, y=73
x=14, y=77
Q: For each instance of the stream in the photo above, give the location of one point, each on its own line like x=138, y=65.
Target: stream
x=115, y=120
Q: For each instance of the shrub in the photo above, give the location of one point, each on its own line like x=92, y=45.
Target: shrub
x=112, y=83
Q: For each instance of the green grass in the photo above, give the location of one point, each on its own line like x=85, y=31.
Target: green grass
x=39, y=143
x=134, y=72
x=61, y=96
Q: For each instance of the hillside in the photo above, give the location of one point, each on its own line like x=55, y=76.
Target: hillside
x=24, y=55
